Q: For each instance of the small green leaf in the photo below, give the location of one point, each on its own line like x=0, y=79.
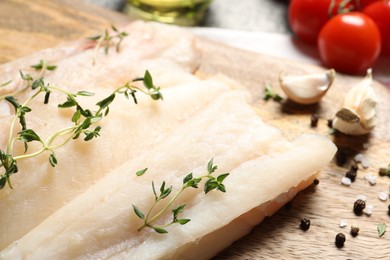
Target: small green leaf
x=148, y=81
x=187, y=178
x=13, y=102
x=176, y=211
x=210, y=166
x=138, y=212
x=53, y=160
x=165, y=193
x=76, y=116
x=5, y=83
x=183, y=221
x=141, y=172
x=85, y=93
x=221, y=187
x=210, y=185
x=47, y=96
x=28, y=135
x=94, y=38
x=154, y=192
x=38, y=84
x=26, y=77
x=381, y=229
x=51, y=67
x=222, y=177
x=160, y=230
x=106, y=102
x=70, y=102
x=3, y=181
x=114, y=28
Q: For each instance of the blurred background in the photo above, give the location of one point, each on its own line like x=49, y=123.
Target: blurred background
x=247, y=15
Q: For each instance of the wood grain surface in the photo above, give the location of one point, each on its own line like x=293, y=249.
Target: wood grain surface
x=27, y=26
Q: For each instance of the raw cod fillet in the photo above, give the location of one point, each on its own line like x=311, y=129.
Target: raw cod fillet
x=83, y=207
x=100, y=223
x=46, y=189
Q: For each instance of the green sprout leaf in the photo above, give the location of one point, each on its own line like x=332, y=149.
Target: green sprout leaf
x=138, y=212
x=381, y=229
x=141, y=172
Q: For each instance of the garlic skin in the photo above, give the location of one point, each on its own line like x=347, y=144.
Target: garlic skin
x=307, y=89
x=358, y=115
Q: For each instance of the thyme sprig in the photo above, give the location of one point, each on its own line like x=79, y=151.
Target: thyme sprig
x=269, y=93
x=42, y=66
x=106, y=40
x=212, y=183
x=84, y=121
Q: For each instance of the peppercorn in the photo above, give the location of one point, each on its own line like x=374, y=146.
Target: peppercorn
x=388, y=208
x=305, y=224
x=316, y=181
x=314, y=120
x=358, y=207
x=351, y=174
x=354, y=231
x=340, y=240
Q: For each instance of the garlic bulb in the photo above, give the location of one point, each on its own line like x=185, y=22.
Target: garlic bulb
x=358, y=115
x=307, y=89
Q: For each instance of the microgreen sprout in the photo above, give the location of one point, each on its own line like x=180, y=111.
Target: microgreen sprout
x=189, y=181
x=269, y=93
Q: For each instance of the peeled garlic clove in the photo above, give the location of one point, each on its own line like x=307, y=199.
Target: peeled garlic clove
x=307, y=89
x=358, y=115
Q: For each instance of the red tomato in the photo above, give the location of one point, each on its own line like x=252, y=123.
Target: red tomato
x=307, y=17
x=349, y=42
x=363, y=3
x=380, y=13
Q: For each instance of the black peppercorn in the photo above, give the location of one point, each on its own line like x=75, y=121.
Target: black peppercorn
x=354, y=231
x=305, y=224
x=358, y=207
x=316, y=181
x=340, y=240
x=388, y=208
x=314, y=120
x=351, y=174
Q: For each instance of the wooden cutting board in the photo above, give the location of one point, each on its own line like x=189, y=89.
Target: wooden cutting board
x=27, y=26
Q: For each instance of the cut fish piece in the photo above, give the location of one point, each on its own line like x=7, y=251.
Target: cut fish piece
x=129, y=130
x=100, y=223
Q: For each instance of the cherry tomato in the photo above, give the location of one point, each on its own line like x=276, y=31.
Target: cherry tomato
x=307, y=17
x=380, y=13
x=349, y=42
x=361, y=4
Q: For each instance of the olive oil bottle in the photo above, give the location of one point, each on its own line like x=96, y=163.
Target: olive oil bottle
x=180, y=12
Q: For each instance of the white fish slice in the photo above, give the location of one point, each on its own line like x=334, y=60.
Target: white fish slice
x=128, y=131
x=100, y=223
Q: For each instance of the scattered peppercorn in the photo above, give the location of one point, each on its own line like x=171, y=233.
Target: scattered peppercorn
x=314, y=120
x=358, y=206
x=354, y=231
x=388, y=209
x=316, y=181
x=305, y=224
x=340, y=240
x=351, y=174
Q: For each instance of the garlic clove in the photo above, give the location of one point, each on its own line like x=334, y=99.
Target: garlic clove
x=358, y=114
x=307, y=89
